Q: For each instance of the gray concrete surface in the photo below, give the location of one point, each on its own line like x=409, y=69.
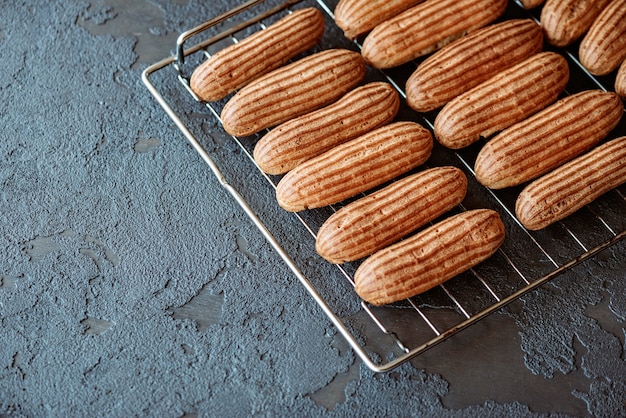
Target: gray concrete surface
x=131, y=284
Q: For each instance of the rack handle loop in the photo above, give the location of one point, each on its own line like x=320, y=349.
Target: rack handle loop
x=183, y=37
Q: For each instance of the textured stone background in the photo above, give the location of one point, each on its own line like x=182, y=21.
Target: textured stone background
x=132, y=284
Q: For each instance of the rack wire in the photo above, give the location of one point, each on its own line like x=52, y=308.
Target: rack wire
x=385, y=337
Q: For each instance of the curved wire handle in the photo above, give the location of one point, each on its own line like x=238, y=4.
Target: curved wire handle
x=183, y=37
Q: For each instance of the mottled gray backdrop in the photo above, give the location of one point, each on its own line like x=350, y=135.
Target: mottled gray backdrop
x=131, y=284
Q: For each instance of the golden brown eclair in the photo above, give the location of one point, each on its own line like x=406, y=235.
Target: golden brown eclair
x=297, y=140
x=425, y=28
x=355, y=166
x=389, y=214
x=430, y=257
x=603, y=48
x=565, y=21
x=505, y=99
x=471, y=60
x=293, y=90
x=263, y=51
x=548, y=139
x=575, y=184
x=357, y=17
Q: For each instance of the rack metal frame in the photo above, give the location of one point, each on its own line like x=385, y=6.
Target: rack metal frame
x=447, y=298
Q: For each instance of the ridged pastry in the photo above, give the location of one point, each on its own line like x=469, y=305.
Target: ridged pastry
x=425, y=28
x=603, y=48
x=565, y=21
x=234, y=66
x=355, y=166
x=568, y=188
x=471, y=60
x=385, y=216
x=297, y=140
x=548, y=139
x=356, y=17
x=505, y=99
x=430, y=257
x=293, y=90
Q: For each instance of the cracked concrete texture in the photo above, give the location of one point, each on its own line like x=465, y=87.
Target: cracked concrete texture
x=132, y=284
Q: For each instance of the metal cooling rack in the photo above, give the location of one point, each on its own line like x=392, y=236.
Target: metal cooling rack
x=385, y=337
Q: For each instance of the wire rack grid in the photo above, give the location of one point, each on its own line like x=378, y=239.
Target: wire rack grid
x=385, y=337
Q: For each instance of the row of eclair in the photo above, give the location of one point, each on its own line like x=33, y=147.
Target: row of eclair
x=334, y=138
